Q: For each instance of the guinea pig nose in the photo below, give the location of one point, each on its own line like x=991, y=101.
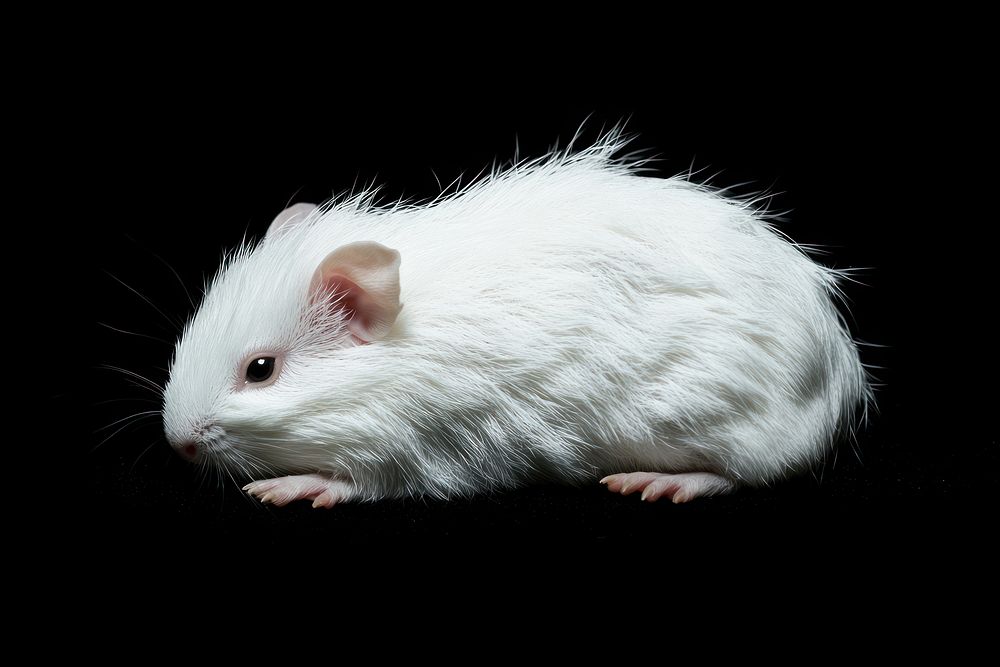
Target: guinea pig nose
x=188, y=450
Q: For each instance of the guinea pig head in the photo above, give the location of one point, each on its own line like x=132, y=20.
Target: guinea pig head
x=246, y=363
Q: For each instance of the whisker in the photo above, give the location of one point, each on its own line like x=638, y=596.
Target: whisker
x=122, y=428
x=132, y=374
x=125, y=400
x=176, y=325
x=133, y=333
x=137, y=415
x=144, y=452
x=177, y=275
x=138, y=385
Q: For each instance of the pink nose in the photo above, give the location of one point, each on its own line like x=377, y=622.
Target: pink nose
x=188, y=450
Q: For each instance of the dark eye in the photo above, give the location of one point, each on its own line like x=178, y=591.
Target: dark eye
x=260, y=369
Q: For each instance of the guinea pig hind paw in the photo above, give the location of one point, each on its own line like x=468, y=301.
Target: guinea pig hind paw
x=679, y=488
x=322, y=490
x=325, y=499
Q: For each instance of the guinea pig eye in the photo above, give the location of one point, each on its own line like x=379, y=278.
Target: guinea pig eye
x=260, y=369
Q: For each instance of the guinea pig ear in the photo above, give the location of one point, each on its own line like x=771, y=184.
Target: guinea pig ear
x=363, y=279
x=291, y=215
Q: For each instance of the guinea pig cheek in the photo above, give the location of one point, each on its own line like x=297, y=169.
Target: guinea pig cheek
x=244, y=384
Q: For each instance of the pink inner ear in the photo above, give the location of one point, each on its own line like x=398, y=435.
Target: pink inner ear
x=365, y=318
x=362, y=280
x=344, y=295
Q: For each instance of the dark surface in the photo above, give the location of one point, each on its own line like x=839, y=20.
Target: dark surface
x=196, y=163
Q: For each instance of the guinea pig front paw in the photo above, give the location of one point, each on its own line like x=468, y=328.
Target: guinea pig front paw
x=679, y=488
x=320, y=489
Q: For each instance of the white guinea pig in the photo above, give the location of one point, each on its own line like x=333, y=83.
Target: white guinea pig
x=566, y=320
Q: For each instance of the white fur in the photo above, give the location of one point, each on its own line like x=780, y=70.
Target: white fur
x=563, y=319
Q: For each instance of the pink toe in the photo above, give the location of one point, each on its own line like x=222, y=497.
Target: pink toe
x=659, y=487
x=324, y=500
x=613, y=482
x=679, y=487
x=637, y=481
x=683, y=496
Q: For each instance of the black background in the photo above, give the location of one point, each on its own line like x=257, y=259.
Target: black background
x=192, y=159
